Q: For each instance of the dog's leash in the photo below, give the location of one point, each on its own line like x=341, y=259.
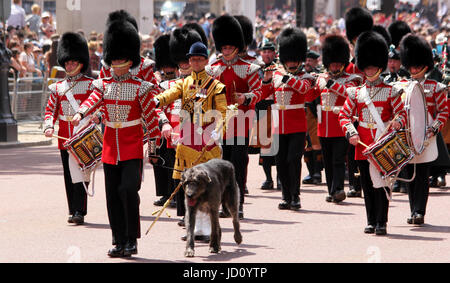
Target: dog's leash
x=172, y=196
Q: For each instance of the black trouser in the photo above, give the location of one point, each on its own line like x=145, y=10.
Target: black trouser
x=289, y=163
x=376, y=201
x=352, y=168
x=334, y=151
x=181, y=207
x=76, y=194
x=122, y=183
x=419, y=188
x=236, y=151
x=267, y=163
x=163, y=176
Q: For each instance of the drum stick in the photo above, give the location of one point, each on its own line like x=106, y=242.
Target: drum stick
x=58, y=137
x=363, y=144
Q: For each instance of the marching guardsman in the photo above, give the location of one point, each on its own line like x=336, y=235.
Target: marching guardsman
x=396, y=71
x=266, y=159
x=247, y=31
x=417, y=57
x=64, y=101
x=357, y=21
x=290, y=85
x=243, y=88
x=202, y=121
x=375, y=103
x=144, y=70
x=126, y=100
x=168, y=121
x=332, y=88
x=313, y=151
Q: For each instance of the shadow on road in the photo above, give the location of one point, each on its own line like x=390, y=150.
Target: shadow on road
x=432, y=228
x=324, y=212
x=267, y=221
x=413, y=238
x=228, y=256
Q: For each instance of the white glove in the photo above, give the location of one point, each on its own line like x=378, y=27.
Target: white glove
x=215, y=135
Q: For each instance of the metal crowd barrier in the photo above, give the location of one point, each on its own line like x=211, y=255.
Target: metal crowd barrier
x=27, y=98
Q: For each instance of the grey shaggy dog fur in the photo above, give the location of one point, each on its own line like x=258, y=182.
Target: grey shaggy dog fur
x=206, y=187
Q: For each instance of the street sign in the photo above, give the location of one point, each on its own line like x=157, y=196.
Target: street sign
x=5, y=10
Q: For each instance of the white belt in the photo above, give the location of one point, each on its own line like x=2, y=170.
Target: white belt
x=368, y=125
x=334, y=109
x=120, y=125
x=65, y=118
x=287, y=107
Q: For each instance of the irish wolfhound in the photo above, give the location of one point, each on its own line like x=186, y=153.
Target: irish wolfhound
x=206, y=187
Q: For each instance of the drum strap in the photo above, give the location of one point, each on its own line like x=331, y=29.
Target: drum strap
x=373, y=112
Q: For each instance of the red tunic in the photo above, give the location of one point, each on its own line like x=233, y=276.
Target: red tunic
x=436, y=98
x=59, y=107
x=171, y=113
x=332, y=101
x=144, y=71
x=388, y=103
x=289, y=101
x=125, y=100
x=238, y=76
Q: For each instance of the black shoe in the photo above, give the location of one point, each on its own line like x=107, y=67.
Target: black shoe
x=267, y=185
x=295, y=205
x=433, y=182
x=173, y=203
x=246, y=190
x=317, y=179
x=284, y=205
x=130, y=248
x=161, y=201
x=339, y=196
x=78, y=218
x=396, y=187
x=181, y=222
x=440, y=182
x=404, y=189
x=308, y=180
x=381, y=230
x=329, y=198
x=369, y=229
x=352, y=193
x=224, y=214
x=117, y=251
x=70, y=219
x=419, y=219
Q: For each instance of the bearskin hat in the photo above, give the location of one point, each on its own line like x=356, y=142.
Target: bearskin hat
x=357, y=21
x=226, y=30
x=73, y=46
x=247, y=28
x=292, y=45
x=121, y=41
x=398, y=30
x=162, y=53
x=371, y=50
x=415, y=51
x=199, y=30
x=121, y=15
x=180, y=42
x=335, y=49
x=381, y=30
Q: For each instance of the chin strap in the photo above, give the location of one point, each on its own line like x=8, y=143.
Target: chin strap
x=76, y=71
x=420, y=74
x=127, y=64
x=374, y=77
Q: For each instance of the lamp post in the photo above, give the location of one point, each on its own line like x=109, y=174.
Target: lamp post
x=8, y=125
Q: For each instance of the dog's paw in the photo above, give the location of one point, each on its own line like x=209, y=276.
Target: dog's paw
x=238, y=238
x=214, y=250
x=189, y=252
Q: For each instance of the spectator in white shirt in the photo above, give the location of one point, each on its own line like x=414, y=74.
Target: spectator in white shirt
x=17, y=17
x=28, y=61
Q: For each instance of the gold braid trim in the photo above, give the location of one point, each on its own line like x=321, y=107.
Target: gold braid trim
x=187, y=156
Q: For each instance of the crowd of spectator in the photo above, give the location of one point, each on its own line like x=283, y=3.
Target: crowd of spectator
x=33, y=41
